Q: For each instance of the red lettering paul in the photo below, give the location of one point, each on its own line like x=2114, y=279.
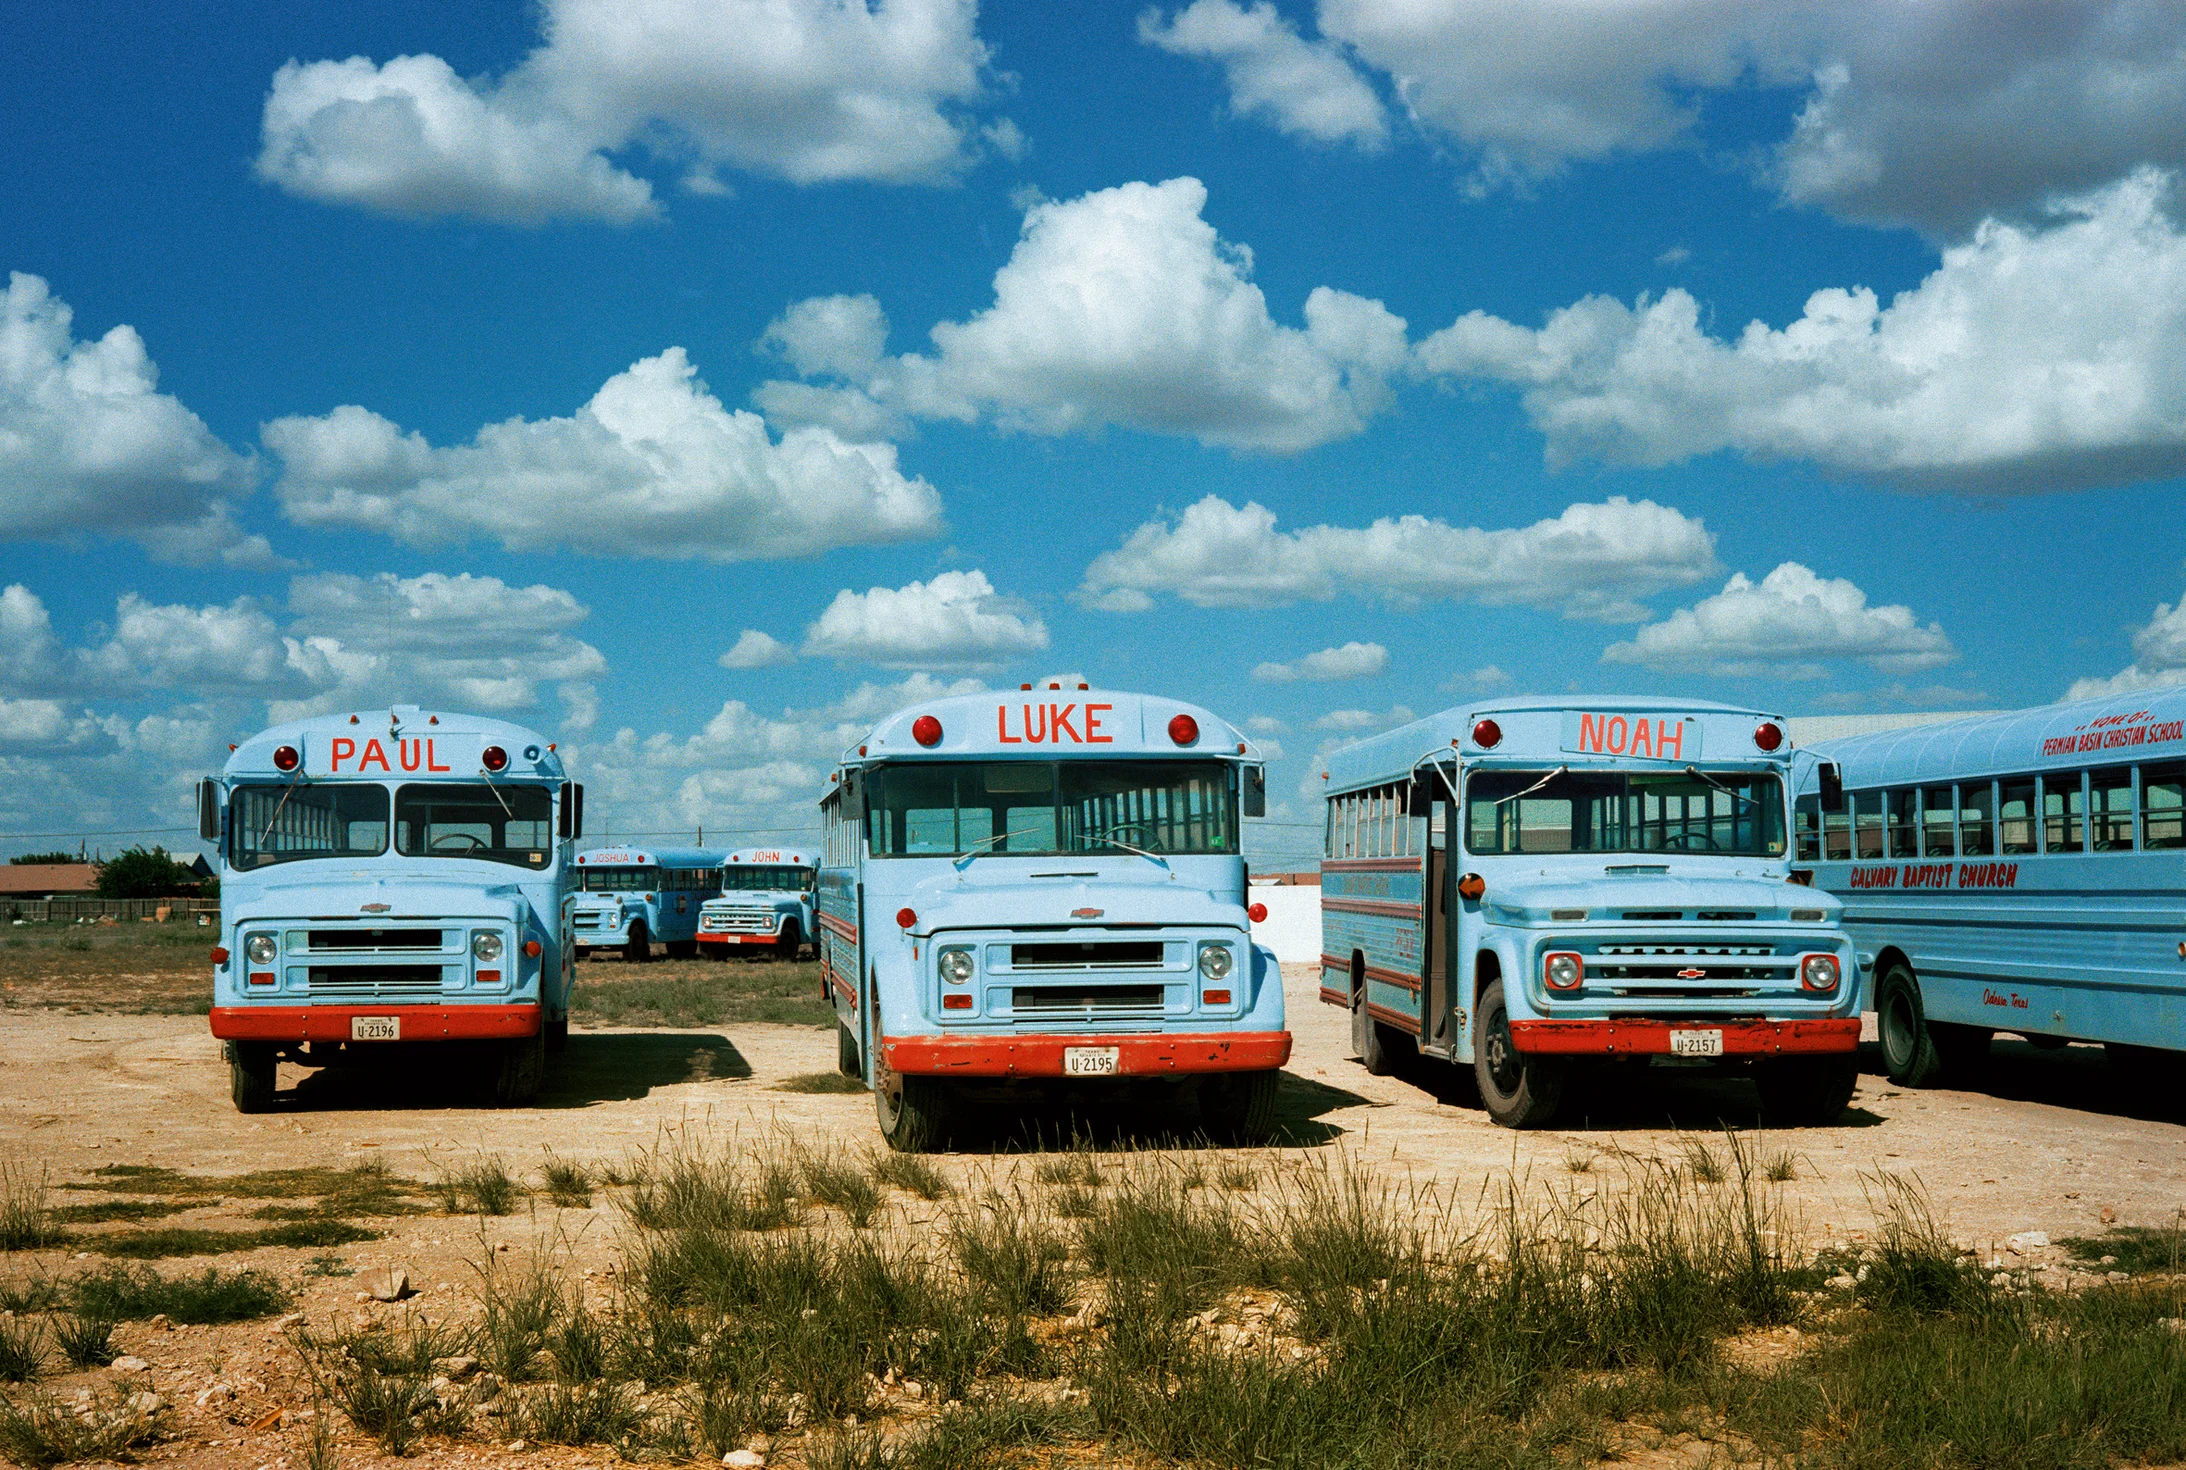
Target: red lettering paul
x=412, y=754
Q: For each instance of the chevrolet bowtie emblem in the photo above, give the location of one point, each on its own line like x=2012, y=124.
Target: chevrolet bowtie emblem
x=375, y=908
x=1087, y=913
x=1692, y=974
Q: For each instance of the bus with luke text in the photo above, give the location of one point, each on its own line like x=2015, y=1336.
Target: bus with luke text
x=765, y=905
x=1528, y=886
x=389, y=879
x=2021, y=872
x=632, y=898
x=1047, y=886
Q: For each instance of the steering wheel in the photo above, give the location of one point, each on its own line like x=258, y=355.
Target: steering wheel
x=1687, y=840
x=477, y=843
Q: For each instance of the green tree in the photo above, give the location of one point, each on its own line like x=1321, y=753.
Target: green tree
x=46, y=858
x=141, y=874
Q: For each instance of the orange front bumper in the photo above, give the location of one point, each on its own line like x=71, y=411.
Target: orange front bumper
x=1626, y=1036
x=739, y=939
x=1042, y=1056
x=331, y=1023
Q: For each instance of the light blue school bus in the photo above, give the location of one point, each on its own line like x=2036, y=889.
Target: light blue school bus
x=1527, y=886
x=765, y=904
x=388, y=878
x=632, y=898
x=2021, y=872
x=1047, y=885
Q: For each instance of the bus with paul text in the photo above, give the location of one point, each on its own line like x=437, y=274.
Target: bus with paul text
x=2021, y=872
x=632, y=898
x=392, y=879
x=1529, y=886
x=1047, y=886
x=765, y=904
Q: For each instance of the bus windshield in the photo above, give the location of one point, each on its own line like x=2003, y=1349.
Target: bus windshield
x=299, y=819
x=745, y=879
x=1047, y=808
x=620, y=880
x=1733, y=812
x=501, y=824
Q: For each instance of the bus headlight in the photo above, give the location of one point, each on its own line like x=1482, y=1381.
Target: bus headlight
x=260, y=949
x=486, y=946
x=1214, y=961
x=956, y=966
x=1818, y=971
x=1563, y=971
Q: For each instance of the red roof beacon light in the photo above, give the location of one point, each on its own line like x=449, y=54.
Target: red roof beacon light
x=1183, y=729
x=1487, y=734
x=1768, y=735
x=905, y=918
x=926, y=730
x=285, y=758
x=493, y=758
x=1258, y=913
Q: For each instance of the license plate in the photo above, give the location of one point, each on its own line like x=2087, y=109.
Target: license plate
x=1091, y=1061
x=1696, y=1043
x=375, y=1028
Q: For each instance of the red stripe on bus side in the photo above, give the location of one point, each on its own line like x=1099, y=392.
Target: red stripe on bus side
x=844, y=927
x=1409, y=1025
x=1371, y=865
x=1397, y=907
x=1334, y=997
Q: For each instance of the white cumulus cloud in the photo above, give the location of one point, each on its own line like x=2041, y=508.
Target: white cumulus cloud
x=1353, y=660
x=1122, y=308
x=2159, y=657
x=653, y=465
x=1303, y=87
x=756, y=650
x=1790, y=625
x=1355, y=721
x=1592, y=561
x=806, y=90
x=954, y=620
x=2031, y=359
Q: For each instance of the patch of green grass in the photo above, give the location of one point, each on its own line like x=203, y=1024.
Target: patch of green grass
x=22, y=1350
x=177, y=1240
x=118, y=1294
x=25, y=1222
x=42, y=1430
x=87, y=1342
x=832, y=1177
x=32, y=1294
x=688, y=1186
x=328, y=1264
x=2134, y=1248
x=577, y=1414
x=825, y=1083
x=692, y=993
x=1007, y=1248
x=112, y=1210
x=369, y=1189
x=481, y=1187
x=568, y=1184
x=911, y=1172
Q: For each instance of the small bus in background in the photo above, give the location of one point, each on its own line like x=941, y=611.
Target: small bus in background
x=1528, y=886
x=634, y=898
x=765, y=903
x=2021, y=872
x=1047, y=885
x=392, y=877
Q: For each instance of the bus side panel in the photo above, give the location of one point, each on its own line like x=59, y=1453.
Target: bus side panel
x=1373, y=907
x=841, y=954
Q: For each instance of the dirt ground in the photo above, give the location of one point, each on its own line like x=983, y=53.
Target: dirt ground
x=2045, y=1145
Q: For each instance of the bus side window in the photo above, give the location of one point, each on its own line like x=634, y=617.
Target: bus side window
x=1837, y=831
x=1938, y=823
x=1898, y=821
x=1976, y=819
x=1806, y=821
x=2015, y=817
x=2163, y=806
x=1867, y=823
x=2064, y=812
x=2110, y=810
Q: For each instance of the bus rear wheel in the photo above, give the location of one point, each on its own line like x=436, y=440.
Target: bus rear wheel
x=1369, y=1038
x=1918, y=1052
x=1518, y=1090
x=639, y=949
x=913, y=1111
x=252, y=1066
x=1806, y=1092
x=792, y=939
x=1237, y=1108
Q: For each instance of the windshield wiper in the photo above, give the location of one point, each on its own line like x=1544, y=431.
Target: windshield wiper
x=1154, y=858
x=1536, y=786
x=980, y=849
x=1699, y=775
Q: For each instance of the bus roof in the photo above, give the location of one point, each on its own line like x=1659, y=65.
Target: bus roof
x=643, y=857
x=2114, y=729
x=1051, y=722
x=761, y=857
x=1532, y=728
x=373, y=744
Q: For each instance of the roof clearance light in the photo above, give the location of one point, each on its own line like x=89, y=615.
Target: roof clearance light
x=285, y=758
x=1768, y=735
x=1258, y=913
x=1487, y=734
x=493, y=758
x=1183, y=729
x=905, y=918
x=926, y=730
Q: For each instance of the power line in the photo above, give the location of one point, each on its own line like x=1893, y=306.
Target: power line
x=117, y=832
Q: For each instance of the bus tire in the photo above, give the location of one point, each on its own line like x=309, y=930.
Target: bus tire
x=792, y=940
x=252, y=1066
x=1238, y=1108
x=1806, y=1092
x=1518, y=1091
x=1369, y=1038
x=557, y=1034
x=846, y=1052
x=913, y=1112
x=522, y=1070
x=639, y=949
x=1909, y=1053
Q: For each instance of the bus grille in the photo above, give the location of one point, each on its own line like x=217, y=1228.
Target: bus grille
x=366, y=940
x=1717, y=971
x=375, y=977
x=1108, y=954
x=738, y=921
x=1085, y=998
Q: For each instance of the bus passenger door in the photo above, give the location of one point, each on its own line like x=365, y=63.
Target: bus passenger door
x=1436, y=1027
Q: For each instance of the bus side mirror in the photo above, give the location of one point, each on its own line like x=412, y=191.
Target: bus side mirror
x=1832, y=778
x=1252, y=791
x=1419, y=798
x=573, y=810
x=208, y=809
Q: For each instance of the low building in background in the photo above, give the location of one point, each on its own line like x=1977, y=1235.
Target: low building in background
x=49, y=880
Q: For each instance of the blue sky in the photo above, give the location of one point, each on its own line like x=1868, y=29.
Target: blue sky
x=1317, y=363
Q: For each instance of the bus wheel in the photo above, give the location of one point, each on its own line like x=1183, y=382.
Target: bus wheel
x=792, y=939
x=640, y=948
x=1917, y=1052
x=522, y=1071
x=913, y=1111
x=1369, y=1038
x=1519, y=1091
x=846, y=1052
x=1237, y=1107
x=251, y=1067
x=1806, y=1092
x=557, y=1034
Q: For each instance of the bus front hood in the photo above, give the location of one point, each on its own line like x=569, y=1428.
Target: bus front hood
x=1609, y=896
x=944, y=903
x=395, y=898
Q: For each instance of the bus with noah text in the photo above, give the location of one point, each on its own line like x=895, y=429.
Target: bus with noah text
x=1047, y=885
x=765, y=905
x=1526, y=886
x=388, y=879
x=632, y=898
